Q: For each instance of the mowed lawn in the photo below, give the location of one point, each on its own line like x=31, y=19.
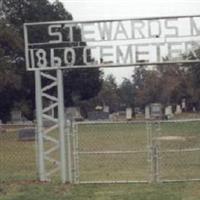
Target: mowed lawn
x=50, y=191
x=109, y=152
x=17, y=158
x=122, y=152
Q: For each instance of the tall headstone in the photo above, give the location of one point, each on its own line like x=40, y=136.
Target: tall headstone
x=106, y=109
x=178, y=109
x=129, y=113
x=183, y=105
x=147, y=112
x=168, y=112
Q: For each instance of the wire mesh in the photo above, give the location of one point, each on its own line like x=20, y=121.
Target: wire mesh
x=150, y=151
x=179, y=150
x=112, y=152
x=17, y=156
x=109, y=152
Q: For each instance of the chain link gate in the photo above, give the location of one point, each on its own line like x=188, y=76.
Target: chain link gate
x=109, y=152
x=126, y=152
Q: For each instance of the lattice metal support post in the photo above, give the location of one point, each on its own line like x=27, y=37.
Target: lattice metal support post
x=61, y=121
x=52, y=155
x=40, y=142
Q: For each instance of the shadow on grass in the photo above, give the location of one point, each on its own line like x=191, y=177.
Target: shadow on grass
x=50, y=191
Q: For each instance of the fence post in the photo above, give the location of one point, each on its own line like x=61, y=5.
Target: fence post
x=154, y=132
x=38, y=95
x=61, y=117
x=155, y=157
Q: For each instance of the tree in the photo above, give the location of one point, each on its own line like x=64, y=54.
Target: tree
x=18, y=12
x=193, y=81
x=109, y=94
x=166, y=84
x=127, y=93
x=174, y=84
x=10, y=81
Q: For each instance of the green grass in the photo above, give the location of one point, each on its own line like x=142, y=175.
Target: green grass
x=17, y=158
x=35, y=191
x=137, y=167
x=18, y=165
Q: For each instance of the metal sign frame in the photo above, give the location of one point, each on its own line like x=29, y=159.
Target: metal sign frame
x=53, y=76
x=152, y=39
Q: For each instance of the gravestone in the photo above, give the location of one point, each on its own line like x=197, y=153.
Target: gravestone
x=26, y=134
x=114, y=116
x=98, y=115
x=183, y=105
x=168, y=112
x=73, y=113
x=128, y=113
x=106, y=109
x=178, y=109
x=147, y=112
x=156, y=111
x=16, y=116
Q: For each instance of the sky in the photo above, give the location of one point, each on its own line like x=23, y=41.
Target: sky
x=115, y=9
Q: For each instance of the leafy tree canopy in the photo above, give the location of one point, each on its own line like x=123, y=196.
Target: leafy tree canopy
x=19, y=84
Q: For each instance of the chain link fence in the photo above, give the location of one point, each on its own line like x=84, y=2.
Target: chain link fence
x=149, y=151
x=113, y=152
x=179, y=150
x=17, y=153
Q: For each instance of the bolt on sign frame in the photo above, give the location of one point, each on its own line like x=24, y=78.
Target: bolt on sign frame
x=51, y=47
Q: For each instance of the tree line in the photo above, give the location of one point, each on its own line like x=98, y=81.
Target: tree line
x=165, y=84
x=86, y=88
x=16, y=85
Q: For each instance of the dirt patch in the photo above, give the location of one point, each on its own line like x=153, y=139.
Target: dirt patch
x=169, y=138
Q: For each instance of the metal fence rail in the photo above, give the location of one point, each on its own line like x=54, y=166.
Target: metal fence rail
x=145, y=151
x=113, y=152
x=109, y=152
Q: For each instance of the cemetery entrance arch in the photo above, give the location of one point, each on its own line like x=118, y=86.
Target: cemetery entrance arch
x=103, y=43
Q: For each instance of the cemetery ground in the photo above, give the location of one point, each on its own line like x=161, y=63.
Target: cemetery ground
x=18, y=165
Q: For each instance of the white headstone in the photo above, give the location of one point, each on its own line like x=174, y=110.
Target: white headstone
x=73, y=113
x=178, y=109
x=183, y=104
x=147, y=112
x=128, y=113
x=168, y=112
